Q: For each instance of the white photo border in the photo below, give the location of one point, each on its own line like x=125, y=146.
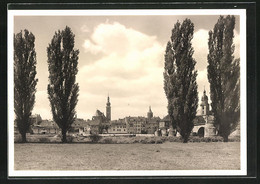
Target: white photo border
x=243, y=94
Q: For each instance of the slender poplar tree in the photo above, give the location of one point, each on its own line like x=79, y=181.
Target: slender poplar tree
x=62, y=88
x=224, y=76
x=24, y=80
x=180, y=84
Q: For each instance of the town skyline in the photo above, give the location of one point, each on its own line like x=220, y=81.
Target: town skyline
x=122, y=56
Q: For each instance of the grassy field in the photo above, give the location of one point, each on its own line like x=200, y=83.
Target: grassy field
x=166, y=156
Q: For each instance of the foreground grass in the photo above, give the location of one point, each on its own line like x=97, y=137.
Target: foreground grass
x=166, y=156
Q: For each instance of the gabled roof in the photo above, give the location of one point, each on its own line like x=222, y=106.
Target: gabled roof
x=166, y=118
x=46, y=124
x=79, y=123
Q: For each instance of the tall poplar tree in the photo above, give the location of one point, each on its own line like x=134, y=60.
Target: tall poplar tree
x=24, y=80
x=180, y=84
x=224, y=76
x=62, y=88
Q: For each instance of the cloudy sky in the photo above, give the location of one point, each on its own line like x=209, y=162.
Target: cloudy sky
x=119, y=55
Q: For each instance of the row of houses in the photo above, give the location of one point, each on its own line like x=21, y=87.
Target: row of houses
x=99, y=124
x=128, y=125
x=102, y=124
x=138, y=125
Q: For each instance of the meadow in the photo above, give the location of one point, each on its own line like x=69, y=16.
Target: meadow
x=164, y=156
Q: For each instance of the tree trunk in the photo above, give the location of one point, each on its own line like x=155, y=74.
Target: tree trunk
x=225, y=138
x=64, y=139
x=23, y=137
x=185, y=139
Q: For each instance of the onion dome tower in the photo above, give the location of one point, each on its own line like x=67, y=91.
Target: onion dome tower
x=204, y=104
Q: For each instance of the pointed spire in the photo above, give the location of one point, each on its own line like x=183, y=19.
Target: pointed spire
x=108, y=109
x=150, y=113
x=150, y=110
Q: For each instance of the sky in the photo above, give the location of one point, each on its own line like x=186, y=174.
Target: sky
x=122, y=56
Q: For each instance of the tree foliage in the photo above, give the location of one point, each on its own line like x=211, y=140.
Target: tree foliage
x=180, y=78
x=224, y=76
x=62, y=88
x=24, y=80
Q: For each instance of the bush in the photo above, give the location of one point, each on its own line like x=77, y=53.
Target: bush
x=158, y=141
x=216, y=139
x=173, y=139
x=234, y=139
x=17, y=139
x=69, y=139
x=205, y=139
x=43, y=140
x=106, y=141
x=94, y=138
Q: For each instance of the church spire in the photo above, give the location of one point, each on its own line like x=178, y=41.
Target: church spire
x=108, y=99
x=108, y=108
x=204, y=103
x=150, y=113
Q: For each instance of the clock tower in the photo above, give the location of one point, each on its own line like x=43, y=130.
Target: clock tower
x=108, y=109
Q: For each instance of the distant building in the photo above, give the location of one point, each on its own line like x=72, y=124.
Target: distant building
x=35, y=119
x=204, y=105
x=152, y=125
x=204, y=123
x=117, y=127
x=135, y=125
x=80, y=126
x=45, y=127
x=98, y=123
x=149, y=114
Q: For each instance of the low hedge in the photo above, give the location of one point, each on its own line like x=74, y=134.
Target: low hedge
x=121, y=140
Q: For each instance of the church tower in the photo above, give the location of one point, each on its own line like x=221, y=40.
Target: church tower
x=150, y=113
x=204, y=104
x=108, y=109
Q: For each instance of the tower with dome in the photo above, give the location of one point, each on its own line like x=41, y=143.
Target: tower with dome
x=204, y=104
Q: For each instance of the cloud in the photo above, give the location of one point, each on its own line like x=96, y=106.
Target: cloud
x=42, y=106
x=116, y=38
x=202, y=75
x=200, y=45
x=84, y=29
x=90, y=47
x=129, y=69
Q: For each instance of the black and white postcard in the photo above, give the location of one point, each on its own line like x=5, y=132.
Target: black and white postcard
x=127, y=92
